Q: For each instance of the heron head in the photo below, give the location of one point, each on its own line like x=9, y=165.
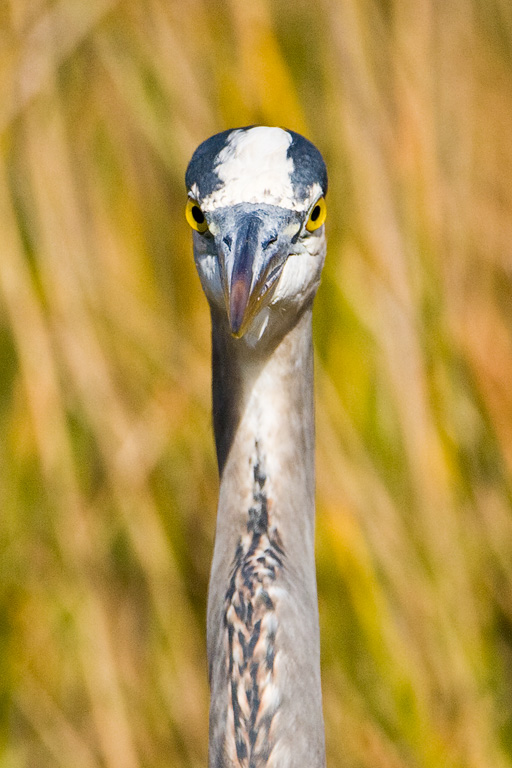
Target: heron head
x=256, y=205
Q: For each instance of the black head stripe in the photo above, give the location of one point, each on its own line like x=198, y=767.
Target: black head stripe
x=308, y=164
x=200, y=170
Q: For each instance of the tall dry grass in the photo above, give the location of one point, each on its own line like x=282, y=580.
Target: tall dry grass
x=108, y=482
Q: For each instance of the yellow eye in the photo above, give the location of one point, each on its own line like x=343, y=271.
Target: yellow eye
x=317, y=215
x=195, y=216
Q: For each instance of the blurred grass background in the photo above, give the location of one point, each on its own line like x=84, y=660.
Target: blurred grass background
x=108, y=480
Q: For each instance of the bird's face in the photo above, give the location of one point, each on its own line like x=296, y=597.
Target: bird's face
x=256, y=204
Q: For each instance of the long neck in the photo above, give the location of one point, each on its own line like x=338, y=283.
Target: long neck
x=263, y=640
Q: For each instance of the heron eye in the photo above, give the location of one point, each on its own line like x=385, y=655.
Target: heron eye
x=195, y=216
x=317, y=215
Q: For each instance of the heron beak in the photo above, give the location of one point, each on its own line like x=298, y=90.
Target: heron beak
x=259, y=250
x=238, y=301
x=245, y=248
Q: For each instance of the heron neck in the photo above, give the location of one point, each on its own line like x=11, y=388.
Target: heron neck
x=262, y=608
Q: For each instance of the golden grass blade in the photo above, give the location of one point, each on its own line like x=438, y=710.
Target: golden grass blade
x=30, y=61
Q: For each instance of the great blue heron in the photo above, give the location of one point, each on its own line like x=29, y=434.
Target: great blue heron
x=256, y=203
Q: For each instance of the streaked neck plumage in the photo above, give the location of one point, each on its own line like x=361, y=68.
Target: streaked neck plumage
x=263, y=637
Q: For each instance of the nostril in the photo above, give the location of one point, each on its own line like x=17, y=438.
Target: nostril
x=273, y=274
x=269, y=242
x=227, y=241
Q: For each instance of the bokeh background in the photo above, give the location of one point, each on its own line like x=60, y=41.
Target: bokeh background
x=108, y=479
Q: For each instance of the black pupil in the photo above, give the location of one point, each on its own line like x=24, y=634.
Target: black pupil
x=315, y=213
x=198, y=214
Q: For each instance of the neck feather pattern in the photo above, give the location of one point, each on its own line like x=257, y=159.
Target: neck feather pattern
x=263, y=645
x=251, y=625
